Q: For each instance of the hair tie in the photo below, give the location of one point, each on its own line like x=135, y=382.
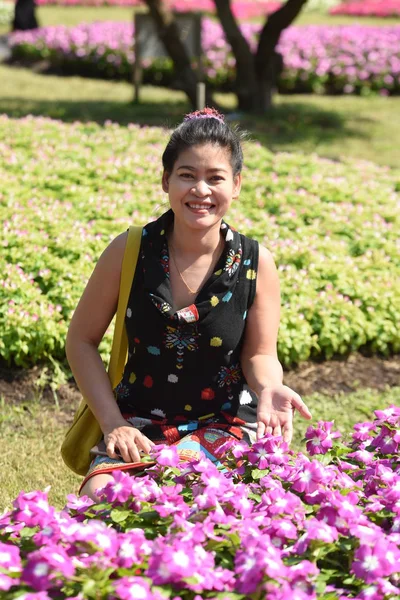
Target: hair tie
x=205, y=113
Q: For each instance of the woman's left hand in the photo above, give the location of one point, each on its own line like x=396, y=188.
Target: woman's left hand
x=275, y=411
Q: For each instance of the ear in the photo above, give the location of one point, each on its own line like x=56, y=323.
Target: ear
x=165, y=182
x=237, y=186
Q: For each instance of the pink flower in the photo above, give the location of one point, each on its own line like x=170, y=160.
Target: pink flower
x=135, y=588
x=378, y=560
x=33, y=509
x=362, y=431
x=118, y=490
x=320, y=437
x=166, y=456
x=7, y=582
x=387, y=442
x=10, y=559
x=310, y=477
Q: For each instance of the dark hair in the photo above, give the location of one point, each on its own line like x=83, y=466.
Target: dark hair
x=205, y=126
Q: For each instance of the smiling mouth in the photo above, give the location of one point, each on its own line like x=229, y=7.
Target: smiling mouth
x=197, y=206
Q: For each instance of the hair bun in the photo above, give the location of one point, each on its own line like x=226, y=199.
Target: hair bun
x=205, y=113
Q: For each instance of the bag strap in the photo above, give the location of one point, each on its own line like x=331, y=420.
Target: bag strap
x=120, y=340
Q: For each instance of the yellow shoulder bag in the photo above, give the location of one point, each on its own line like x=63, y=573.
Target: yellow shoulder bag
x=85, y=431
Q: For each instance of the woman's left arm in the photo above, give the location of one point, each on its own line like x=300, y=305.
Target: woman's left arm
x=259, y=358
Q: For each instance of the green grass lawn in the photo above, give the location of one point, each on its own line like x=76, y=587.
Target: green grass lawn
x=331, y=126
x=31, y=435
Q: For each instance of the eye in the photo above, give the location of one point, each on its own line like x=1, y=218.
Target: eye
x=217, y=178
x=186, y=175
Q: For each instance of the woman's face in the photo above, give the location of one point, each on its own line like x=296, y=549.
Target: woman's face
x=201, y=186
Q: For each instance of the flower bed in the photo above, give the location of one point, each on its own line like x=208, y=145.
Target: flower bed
x=346, y=59
x=242, y=10
x=368, y=8
x=277, y=525
x=67, y=190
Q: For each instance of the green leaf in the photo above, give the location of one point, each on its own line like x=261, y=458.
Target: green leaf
x=119, y=515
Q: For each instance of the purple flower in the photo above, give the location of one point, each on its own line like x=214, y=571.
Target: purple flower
x=176, y=562
x=118, y=490
x=310, y=477
x=362, y=431
x=387, y=442
x=79, y=504
x=135, y=588
x=7, y=582
x=378, y=560
x=33, y=509
x=171, y=502
x=269, y=450
x=10, y=559
x=132, y=547
x=320, y=437
x=166, y=456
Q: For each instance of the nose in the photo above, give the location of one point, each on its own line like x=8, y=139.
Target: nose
x=201, y=189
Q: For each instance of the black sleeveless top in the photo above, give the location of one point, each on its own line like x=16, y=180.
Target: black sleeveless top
x=184, y=366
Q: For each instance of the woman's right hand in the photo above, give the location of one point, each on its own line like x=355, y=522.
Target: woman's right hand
x=127, y=441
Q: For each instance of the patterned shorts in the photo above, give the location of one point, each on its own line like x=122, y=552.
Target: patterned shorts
x=207, y=440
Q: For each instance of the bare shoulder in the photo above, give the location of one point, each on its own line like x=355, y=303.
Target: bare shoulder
x=115, y=250
x=110, y=261
x=267, y=271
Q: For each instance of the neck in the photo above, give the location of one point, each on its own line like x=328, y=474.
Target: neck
x=193, y=242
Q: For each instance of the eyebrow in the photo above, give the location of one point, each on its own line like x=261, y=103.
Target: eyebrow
x=193, y=168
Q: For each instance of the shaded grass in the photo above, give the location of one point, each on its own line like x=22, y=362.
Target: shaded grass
x=331, y=126
x=31, y=435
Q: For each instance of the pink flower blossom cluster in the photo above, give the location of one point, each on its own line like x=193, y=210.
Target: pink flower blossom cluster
x=274, y=525
x=368, y=8
x=242, y=10
x=340, y=59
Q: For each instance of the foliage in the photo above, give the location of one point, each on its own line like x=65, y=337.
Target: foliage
x=319, y=6
x=332, y=228
x=6, y=12
x=275, y=525
x=368, y=8
x=322, y=59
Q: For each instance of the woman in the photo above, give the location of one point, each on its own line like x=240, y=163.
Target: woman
x=202, y=319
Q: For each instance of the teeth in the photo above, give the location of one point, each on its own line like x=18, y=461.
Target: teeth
x=198, y=206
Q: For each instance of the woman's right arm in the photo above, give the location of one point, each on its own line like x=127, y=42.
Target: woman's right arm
x=89, y=323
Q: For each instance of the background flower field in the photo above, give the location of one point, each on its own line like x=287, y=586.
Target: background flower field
x=83, y=184
x=336, y=60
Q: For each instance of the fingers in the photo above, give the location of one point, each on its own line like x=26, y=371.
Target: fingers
x=298, y=403
x=129, y=452
x=277, y=430
x=260, y=430
x=288, y=432
x=144, y=443
x=264, y=428
x=110, y=449
x=128, y=443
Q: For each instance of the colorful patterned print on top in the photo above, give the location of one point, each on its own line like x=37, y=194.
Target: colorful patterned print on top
x=184, y=368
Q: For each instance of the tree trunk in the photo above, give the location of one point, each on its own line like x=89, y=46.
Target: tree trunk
x=268, y=62
x=246, y=82
x=257, y=75
x=168, y=33
x=24, y=16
